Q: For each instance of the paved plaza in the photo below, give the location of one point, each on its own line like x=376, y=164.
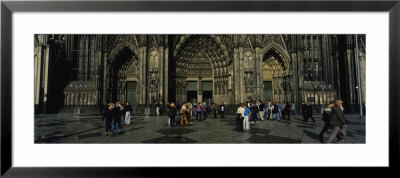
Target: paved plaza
x=67, y=128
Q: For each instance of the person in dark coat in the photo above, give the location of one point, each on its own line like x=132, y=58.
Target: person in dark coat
x=123, y=113
x=304, y=110
x=309, y=110
x=338, y=122
x=108, y=115
x=172, y=113
x=254, y=112
x=117, y=117
x=222, y=111
x=286, y=111
x=326, y=118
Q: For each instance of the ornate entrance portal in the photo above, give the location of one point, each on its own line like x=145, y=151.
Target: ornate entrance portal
x=201, y=69
x=276, y=76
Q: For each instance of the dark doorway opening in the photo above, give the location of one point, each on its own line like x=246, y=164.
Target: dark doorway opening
x=192, y=96
x=207, y=96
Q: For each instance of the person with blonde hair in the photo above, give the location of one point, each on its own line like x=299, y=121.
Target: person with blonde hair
x=185, y=113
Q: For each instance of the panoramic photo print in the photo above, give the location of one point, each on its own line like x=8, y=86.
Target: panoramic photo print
x=207, y=89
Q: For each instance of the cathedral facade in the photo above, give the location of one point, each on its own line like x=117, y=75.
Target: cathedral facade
x=92, y=70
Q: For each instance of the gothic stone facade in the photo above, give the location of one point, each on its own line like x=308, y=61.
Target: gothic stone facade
x=92, y=70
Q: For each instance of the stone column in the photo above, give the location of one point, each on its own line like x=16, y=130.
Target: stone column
x=143, y=74
x=236, y=76
x=260, y=74
x=105, y=77
x=200, y=89
x=38, y=70
x=301, y=55
x=161, y=74
x=241, y=75
x=295, y=79
x=46, y=77
x=350, y=77
x=166, y=72
x=257, y=74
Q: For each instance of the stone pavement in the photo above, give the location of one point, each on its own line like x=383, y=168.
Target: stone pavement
x=67, y=128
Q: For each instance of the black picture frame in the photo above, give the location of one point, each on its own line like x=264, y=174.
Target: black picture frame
x=8, y=7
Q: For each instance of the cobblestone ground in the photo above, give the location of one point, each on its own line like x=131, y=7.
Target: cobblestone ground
x=67, y=128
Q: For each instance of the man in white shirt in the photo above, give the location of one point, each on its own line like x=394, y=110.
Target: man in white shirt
x=239, y=117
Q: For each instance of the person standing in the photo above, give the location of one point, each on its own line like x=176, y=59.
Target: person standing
x=266, y=107
x=279, y=110
x=270, y=108
x=246, y=124
x=117, y=117
x=108, y=115
x=168, y=110
x=213, y=112
x=123, y=112
x=287, y=111
x=254, y=112
x=304, y=110
x=172, y=113
x=326, y=118
x=338, y=122
x=293, y=109
x=190, y=109
x=185, y=114
x=364, y=109
x=222, y=110
x=128, y=109
x=199, y=112
x=275, y=112
x=239, y=118
x=309, y=112
x=261, y=110
x=205, y=110
x=157, y=109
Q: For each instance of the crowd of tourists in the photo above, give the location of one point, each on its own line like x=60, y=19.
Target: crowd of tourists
x=188, y=111
x=333, y=116
x=112, y=115
x=246, y=114
x=258, y=111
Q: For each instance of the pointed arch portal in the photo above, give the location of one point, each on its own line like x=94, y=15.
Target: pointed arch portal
x=275, y=74
x=200, y=69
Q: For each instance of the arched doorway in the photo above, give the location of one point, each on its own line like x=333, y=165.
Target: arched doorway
x=277, y=79
x=123, y=75
x=201, y=70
